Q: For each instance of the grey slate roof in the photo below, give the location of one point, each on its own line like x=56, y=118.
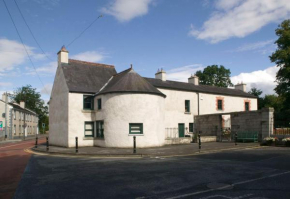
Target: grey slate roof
x=18, y=107
x=129, y=81
x=197, y=88
x=86, y=77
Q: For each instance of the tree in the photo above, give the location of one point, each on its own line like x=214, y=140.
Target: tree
x=33, y=101
x=215, y=75
x=282, y=58
x=257, y=92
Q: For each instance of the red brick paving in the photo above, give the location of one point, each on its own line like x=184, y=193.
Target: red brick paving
x=13, y=161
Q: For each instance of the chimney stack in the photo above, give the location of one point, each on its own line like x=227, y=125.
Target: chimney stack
x=241, y=86
x=161, y=74
x=22, y=104
x=62, y=56
x=193, y=79
x=4, y=97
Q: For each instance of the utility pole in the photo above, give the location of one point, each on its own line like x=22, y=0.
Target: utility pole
x=6, y=101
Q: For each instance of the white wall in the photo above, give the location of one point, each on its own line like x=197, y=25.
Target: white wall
x=58, y=111
x=231, y=104
x=77, y=118
x=121, y=109
x=175, y=108
x=175, y=105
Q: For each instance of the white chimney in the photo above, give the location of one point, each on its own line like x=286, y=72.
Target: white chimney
x=62, y=55
x=241, y=86
x=193, y=79
x=161, y=74
x=22, y=104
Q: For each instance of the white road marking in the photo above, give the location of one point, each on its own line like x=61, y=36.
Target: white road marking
x=228, y=186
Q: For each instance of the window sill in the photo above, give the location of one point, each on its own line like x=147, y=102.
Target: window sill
x=187, y=113
x=88, y=111
x=135, y=134
x=93, y=138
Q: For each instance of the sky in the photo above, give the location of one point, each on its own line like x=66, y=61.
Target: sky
x=179, y=36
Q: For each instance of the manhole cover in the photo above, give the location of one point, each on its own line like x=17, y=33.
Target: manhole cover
x=218, y=185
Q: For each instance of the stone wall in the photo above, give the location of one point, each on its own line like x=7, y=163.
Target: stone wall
x=260, y=121
x=208, y=125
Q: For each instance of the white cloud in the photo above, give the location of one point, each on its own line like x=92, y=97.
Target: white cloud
x=46, y=89
x=261, y=79
x=255, y=46
x=48, y=69
x=240, y=18
x=90, y=56
x=125, y=10
x=13, y=54
x=183, y=73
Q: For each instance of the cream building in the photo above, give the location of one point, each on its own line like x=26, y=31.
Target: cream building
x=20, y=120
x=104, y=108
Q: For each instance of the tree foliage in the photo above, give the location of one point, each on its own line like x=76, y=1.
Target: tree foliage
x=257, y=92
x=282, y=58
x=33, y=101
x=215, y=75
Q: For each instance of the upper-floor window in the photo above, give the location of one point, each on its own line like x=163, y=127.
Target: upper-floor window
x=247, y=106
x=220, y=104
x=14, y=115
x=99, y=104
x=88, y=103
x=187, y=105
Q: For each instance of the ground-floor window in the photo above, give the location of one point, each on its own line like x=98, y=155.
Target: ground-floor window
x=100, y=129
x=89, y=129
x=190, y=127
x=136, y=128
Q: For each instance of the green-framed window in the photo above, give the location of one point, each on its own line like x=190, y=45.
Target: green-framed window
x=220, y=104
x=100, y=129
x=136, y=128
x=88, y=103
x=247, y=106
x=99, y=104
x=89, y=129
x=187, y=105
x=190, y=127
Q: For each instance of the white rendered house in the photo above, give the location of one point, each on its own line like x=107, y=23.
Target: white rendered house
x=104, y=108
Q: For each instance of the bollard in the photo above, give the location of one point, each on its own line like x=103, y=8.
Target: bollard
x=134, y=144
x=199, y=142
x=77, y=146
x=36, y=141
x=236, y=139
x=47, y=146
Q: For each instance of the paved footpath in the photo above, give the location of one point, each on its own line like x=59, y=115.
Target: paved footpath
x=13, y=161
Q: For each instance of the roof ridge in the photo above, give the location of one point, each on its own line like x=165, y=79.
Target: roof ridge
x=122, y=72
x=91, y=63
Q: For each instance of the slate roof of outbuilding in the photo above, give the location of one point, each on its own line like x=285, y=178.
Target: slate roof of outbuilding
x=197, y=88
x=129, y=81
x=86, y=77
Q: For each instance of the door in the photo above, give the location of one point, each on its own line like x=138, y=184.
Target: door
x=181, y=129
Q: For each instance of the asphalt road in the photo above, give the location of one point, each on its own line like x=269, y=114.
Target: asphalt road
x=13, y=161
x=250, y=174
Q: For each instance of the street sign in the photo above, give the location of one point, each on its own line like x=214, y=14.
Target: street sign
x=1, y=125
x=43, y=125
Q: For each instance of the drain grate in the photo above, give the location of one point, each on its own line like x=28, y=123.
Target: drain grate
x=218, y=185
